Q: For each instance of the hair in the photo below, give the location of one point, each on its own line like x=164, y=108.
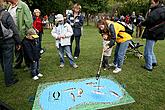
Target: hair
x=77, y=5
x=106, y=30
x=156, y=1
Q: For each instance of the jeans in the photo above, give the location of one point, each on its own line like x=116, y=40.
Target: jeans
x=6, y=59
x=34, y=66
x=67, y=50
x=120, y=51
x=77, y=48
x=149, y=53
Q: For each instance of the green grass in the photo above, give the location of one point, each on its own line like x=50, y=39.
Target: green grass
x=147, y=88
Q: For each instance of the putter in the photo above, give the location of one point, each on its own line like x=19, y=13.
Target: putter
x=99, y=70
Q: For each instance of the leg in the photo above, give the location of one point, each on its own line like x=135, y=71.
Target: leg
x=8, y=56
x=61, y=54
x=149, y=54
x=121, y=53
x=1, y=57
x=19, y=58
x=69, y=55
x=116, y=54
x=77, y=48
x=33, y=66
x=71, y=41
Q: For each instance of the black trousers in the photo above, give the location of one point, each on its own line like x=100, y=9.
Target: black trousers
x=105, y=62
x=6, y=59
x=77, y=45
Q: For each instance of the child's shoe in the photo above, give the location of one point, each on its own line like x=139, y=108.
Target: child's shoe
x=35, y=78
x=40, y=75
x=117, y=70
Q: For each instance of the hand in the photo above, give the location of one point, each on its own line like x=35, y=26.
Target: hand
x=112, y=43
x=62, y=36
x=105, y=48
x=18, y=47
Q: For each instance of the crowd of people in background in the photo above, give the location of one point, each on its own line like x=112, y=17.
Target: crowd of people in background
x=27, y=37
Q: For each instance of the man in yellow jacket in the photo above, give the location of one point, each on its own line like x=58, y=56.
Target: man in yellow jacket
x=121, y=34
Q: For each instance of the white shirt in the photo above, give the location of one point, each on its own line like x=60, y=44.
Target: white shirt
x=12, y=11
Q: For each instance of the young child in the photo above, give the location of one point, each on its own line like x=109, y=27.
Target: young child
x=107, y=51
x=32, y=52
x=62, y=32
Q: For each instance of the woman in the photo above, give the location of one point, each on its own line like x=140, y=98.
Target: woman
x=76, y=21
x=122, y=36
x=154, y=31
x=38, y=26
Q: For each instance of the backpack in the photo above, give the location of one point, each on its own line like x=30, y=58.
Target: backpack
x=7, y=33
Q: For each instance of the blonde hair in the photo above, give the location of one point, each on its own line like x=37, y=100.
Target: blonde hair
x=76, y=6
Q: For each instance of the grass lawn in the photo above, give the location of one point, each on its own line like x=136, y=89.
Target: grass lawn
x=147, y=88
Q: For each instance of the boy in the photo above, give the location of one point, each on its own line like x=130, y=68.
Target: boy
x=62, y=32
x=32, y=52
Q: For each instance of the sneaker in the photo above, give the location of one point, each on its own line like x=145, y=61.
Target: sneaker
x=104, y=69
x=117, y=70
x=112, y=65
x=42, y=51
x=35, y=78
x=40, y=75
x=75, y=66
x=65, y=56
x=62, y=65
x=75, y=57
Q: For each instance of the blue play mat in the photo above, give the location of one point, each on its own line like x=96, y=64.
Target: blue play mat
x=84, y=94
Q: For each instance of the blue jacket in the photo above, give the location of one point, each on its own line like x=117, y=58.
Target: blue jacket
x=76, y=23
x=31, y=49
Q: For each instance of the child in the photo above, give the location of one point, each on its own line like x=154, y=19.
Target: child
x=62, y=32
x=32, y=52
x=107, y=51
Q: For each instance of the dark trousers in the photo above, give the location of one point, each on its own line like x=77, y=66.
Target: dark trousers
x=19, y=56
x=6, y=59
x=34, y=66
x=105, y=62
x=40, y=40
x=77, y=48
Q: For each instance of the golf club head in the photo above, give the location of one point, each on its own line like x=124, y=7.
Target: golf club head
x=97, y=76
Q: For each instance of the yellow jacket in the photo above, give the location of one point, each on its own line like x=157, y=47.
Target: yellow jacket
x=121, y=35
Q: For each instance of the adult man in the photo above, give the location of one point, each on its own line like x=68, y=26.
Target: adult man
x=155, y=30
x=23, y=19
x=7, y=46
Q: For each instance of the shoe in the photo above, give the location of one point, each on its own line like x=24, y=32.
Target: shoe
x=40, y=75
x=104, y=69
x=65, y=56
x=42, y=51
x=75, y=66
x=112, y=65
x=117, y=70
x=61, y=66
x=75, y=57
x=26, y=69
x=154, y=64
x=12, y=82
x=144, y=67
x=35, y=78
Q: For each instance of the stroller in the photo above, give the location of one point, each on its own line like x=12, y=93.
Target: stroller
x=133, y=48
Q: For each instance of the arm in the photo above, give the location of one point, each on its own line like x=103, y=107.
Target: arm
x=54, y=33
x=27, y=50
x=12, y=26
x=27, y=17
x=80, y=22
x=69, y=32
x=113, y=35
